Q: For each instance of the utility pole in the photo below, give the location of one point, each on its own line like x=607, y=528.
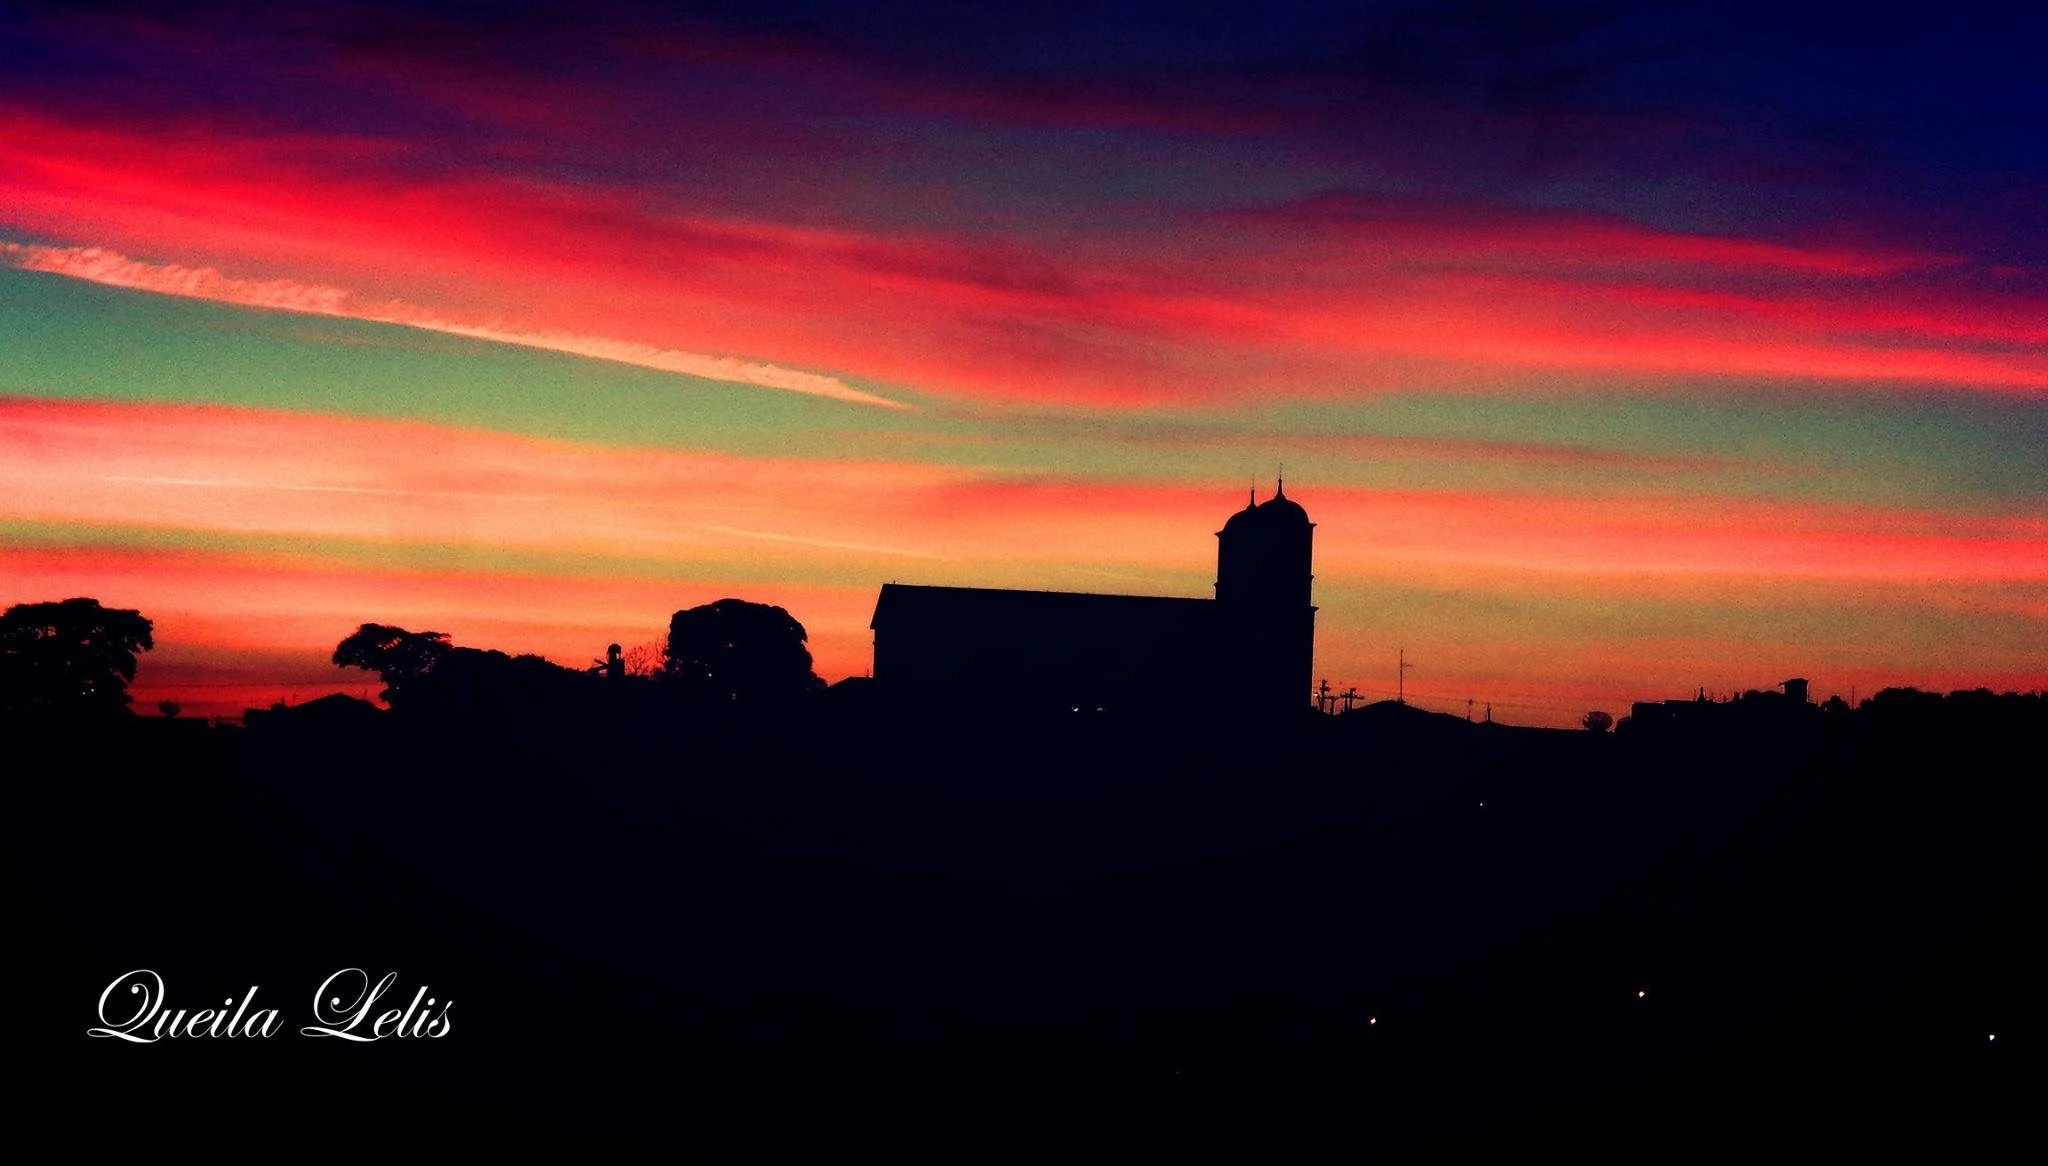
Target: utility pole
x=1468, y=709
x=1350, y=697
x=1323, y=696
x=1401, y=678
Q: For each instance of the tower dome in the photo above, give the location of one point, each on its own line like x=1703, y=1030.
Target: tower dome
x=1263, y=554
x=1282, y=510
x=1245, y=517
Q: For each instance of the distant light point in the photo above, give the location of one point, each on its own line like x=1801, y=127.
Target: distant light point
x=1640, y=993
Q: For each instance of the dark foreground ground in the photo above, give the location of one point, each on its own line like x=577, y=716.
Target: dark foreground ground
x=855, y=929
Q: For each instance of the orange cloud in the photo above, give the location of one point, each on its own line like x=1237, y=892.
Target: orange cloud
x=255, y=471
x=262, y=472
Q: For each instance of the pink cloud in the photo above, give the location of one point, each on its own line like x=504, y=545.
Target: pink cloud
x=1317, y=298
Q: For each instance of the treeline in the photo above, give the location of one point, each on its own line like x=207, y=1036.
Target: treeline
x=75, y=659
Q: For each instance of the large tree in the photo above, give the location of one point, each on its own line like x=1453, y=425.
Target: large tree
x=72, y=657
x=741, y=651
x=400, y=657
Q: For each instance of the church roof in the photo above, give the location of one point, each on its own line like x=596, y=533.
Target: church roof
x=914, y=602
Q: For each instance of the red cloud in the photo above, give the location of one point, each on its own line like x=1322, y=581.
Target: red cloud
x=1327, y=296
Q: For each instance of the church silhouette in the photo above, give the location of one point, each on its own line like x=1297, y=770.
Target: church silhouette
x=1249, y=649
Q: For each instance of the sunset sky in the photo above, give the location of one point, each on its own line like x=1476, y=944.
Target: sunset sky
x=1616, y=350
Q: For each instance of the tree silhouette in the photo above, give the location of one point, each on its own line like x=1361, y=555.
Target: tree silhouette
x=741, y=651
x=398, y=656
x=1597, y=721
x=479, y=681
x=645, y=659
x=69, y=658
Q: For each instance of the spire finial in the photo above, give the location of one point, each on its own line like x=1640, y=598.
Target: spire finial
x=1280, y=482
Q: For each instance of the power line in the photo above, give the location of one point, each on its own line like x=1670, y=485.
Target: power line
x=1450, y=703
x=1500, y=703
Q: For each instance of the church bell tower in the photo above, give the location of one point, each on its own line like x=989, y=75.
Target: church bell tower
x=1264, y=570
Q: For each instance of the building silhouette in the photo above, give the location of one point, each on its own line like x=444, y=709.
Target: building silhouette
x=1251, y=648
x=1748, y=716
